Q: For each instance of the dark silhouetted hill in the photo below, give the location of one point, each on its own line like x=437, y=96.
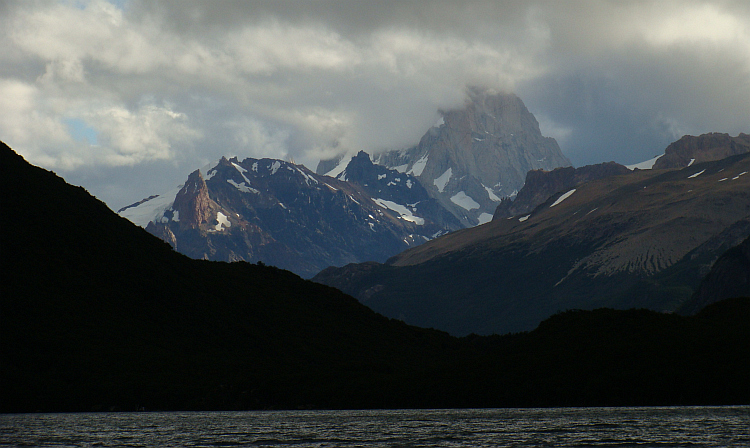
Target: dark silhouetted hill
x=96, y=314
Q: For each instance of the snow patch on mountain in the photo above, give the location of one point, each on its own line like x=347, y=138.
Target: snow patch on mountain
x=647, y=165
x=223, y=221
x=151, y=210
x=441, y=181
x=418, y=166
x=340, y=167
x=563, y=197
x=275, y=166
x=696, y=174
x=493, y=196
x=484, y=218
x=210, y=170
x=465, y=201
x=308, y=178
x=242, y=187
x=404, y=212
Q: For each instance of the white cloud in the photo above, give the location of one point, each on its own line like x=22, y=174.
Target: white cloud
x=698, y=23
x=29, y=126
x=273, y=46
x=146, y=134
x=186, y=81
x=38, y=127
x=253, y=139
x=97, y=32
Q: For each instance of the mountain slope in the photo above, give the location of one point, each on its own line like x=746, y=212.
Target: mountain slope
x=286, y=216
x=642, y=239
x=97, y=315
x=540, y=185
x=729, y=277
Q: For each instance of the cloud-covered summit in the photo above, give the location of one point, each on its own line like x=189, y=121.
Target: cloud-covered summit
x=125, y=97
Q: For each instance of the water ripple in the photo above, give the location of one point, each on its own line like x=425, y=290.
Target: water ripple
x=561, y=427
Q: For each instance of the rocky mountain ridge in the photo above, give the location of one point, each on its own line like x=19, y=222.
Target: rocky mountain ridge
x=475, y=156
x=540, y=185
x=284, y=215
x=703, y=148
x=287, y=216
x=640, y=239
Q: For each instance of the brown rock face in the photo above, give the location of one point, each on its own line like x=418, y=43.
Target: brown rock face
x=192, y=202
x=541, y=185
x=704, y=148
x=479, y=154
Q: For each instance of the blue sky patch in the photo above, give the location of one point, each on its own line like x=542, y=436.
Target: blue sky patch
x=81, y=131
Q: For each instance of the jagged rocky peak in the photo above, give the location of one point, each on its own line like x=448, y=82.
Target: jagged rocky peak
x=400, y=192
x=192, y=201
x=360, y=165
x=478, y=154
x=703, y=148
x=284, y=215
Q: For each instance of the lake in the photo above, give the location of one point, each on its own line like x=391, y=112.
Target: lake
x=559, y=427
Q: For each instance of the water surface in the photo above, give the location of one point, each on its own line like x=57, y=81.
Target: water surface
x=560, y=427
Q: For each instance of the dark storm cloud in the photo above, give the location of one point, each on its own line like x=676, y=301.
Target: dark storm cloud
x=165, y=87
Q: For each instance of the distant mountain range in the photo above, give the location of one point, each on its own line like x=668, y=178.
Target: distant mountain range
x=607, y=236
x=475, y=156
x=98, y=315
x=287, y=216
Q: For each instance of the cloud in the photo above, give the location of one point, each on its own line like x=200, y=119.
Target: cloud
x=148, y=133
x=176, y=83
x=49, y=130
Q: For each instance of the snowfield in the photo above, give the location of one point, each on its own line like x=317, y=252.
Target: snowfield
x=465, y=201
x=563, y=197
x=441, y=181
x=404, y=212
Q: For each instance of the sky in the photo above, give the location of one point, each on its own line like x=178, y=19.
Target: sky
x=127, y=97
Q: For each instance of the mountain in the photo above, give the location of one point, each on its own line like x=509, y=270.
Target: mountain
x=729, y=277
x=703, y=148
x=284, y=215
x=642, y=239
x=475, y=155
x=96, y=314
x=400, y=192
x=540, y=185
